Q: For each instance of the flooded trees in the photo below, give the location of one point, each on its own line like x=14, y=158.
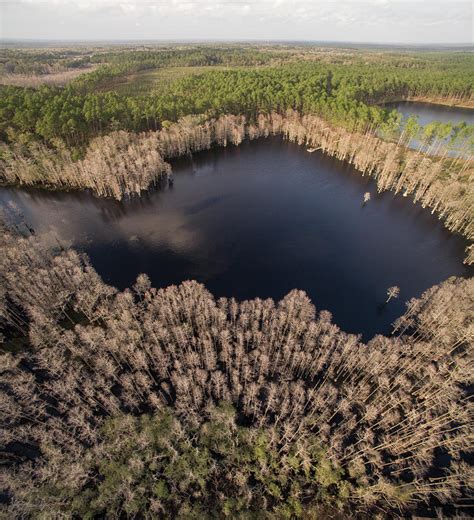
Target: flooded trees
x=124, y=163
x=115, y=165
x=169, y=401
x=392, y=292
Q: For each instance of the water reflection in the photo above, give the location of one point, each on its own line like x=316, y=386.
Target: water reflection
x=426, y=113
x=260, y=220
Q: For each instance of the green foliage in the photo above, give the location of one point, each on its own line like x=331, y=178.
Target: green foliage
x=155, y=463
x=42, y=61
x=344, y=93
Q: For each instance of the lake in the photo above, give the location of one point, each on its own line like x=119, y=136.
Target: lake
x=428, y=112
x=257, y=221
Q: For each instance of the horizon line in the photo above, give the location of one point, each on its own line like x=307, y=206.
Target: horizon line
x=229, y=40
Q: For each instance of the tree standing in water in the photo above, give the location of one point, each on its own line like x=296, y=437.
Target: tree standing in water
x=166, y=402
x=392, y=292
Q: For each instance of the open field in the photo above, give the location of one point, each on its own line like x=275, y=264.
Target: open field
x=36, y=80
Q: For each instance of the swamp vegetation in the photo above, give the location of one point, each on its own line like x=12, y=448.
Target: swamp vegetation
x=169, y=402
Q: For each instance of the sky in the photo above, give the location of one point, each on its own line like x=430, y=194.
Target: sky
x=380, y=21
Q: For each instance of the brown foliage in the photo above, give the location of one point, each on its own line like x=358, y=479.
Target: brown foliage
x=124, y=163
x=382, y=410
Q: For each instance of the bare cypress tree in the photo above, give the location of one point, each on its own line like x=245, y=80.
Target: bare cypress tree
x=364, y=422
x=392, y=292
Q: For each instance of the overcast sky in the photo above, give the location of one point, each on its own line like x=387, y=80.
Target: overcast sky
x=385, y=21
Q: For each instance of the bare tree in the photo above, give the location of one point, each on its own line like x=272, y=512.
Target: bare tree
x=392, y=292
x=98, y=359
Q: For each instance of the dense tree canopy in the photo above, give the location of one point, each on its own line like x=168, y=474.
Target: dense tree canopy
x=170, y=403
x=343, y=93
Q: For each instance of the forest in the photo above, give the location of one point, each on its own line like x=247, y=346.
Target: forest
x=347, y=95
x=168, y=402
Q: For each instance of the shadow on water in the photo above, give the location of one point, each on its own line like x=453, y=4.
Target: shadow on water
x=258, y=221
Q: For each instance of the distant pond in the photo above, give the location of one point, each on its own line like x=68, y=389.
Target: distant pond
x=257, y=221
x=428, y=112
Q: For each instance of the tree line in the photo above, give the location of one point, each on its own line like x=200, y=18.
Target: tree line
x=124, y=163
x=169, y=403
x=346, y=95
x=41, y=61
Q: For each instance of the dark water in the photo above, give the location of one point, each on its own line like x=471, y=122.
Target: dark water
x=260, y=220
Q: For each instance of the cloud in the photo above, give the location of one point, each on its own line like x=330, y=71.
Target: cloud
x=362, y=20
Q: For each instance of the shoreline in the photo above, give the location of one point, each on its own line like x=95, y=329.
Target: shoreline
x=469, y=105
x=110, y=167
